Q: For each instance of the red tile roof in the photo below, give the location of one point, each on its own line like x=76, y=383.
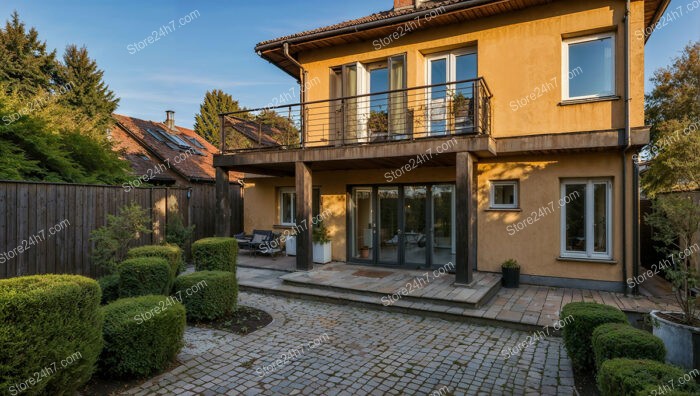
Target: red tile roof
x=261, y=135
x=191, y=165
x=379, y=16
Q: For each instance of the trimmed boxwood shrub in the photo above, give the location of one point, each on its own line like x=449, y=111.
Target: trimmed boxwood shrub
x=171, y=253
x=620, y=377
x=144, y=276
x=142, y=335
x=207, y=295
x=577, y=334
x=49, y=321
x=110, y=288
x=618, y=340
x=215, y=254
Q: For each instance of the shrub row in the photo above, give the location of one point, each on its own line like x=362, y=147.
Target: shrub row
x=48, y=321
x=630, y=362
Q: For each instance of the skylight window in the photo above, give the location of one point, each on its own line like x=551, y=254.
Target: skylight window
x=156, y=135
x=195, y=141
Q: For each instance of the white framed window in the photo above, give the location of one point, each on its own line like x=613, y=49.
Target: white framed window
x=287, y=200
x=504, y=194
x=441, y=70
x=588, y=67
x=288, y=205
x=586, y=218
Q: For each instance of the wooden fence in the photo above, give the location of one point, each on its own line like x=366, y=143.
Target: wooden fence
x=45, y=227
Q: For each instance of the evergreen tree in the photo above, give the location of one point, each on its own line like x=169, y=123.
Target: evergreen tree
x=85, y=89
x=25, y=65
x=207, y=124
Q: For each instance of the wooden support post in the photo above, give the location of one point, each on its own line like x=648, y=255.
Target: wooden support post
x=466, y=219
x=223, y=205
x=304, y=193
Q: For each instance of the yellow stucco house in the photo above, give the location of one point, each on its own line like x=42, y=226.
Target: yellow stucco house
x=467, y=132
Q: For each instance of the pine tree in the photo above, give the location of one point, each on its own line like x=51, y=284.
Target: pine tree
x=207, y=123
x=85, y=89
x=25, y=65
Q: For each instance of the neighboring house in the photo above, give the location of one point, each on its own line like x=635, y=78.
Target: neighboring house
x=173, y=155
x=464, y=131
x=164, y=154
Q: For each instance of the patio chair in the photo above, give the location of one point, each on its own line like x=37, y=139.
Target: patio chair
x=273, y=247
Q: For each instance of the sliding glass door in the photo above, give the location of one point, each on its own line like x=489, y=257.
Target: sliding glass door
x=413, y=226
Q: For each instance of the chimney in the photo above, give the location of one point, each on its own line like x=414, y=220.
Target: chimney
x=404, y=4
x=407, y=4
x=170, y=119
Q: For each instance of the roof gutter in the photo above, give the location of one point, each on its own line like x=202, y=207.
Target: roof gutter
x=373, y=24
x=626, y=146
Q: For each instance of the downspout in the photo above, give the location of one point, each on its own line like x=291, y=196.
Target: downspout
x=627, y=143
x=302, y=90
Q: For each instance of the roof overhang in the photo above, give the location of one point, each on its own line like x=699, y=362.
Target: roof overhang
x=273, y=51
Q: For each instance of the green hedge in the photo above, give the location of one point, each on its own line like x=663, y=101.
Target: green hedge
x=171, y=253
x=619, y=340
x=144, y=276
x=215, y=254
x=110, y=288
x=621, y=377
x=48, y=322
x=577, y=334
x=207, y=295
x=142, y=336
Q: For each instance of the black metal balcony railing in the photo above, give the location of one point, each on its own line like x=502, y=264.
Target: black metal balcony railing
x=456, y=108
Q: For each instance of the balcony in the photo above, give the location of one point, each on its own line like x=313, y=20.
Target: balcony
x=460, y=108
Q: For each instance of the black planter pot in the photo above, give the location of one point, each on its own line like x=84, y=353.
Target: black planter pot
x=511, y=278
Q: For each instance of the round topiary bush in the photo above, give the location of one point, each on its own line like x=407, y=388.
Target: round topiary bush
x=215, y=254
x=577, y=334
x=621, y=377
x=110, y=288
x=618, y=340
x=142, y=335
x=52, y=325
x=207, y=295
x=144, y=276
x=171, y=253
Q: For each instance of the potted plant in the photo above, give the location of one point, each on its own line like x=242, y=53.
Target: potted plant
x=460, y=111
x=364, y=252
x=322, y=244
x=511, y=274
x=675, y=218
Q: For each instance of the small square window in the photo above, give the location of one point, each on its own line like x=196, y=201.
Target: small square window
x=504, y=194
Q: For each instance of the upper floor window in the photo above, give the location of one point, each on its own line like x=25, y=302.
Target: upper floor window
x=588, y=66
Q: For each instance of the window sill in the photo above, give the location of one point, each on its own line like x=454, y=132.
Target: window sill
x=283, y=226
x=587, y=260
x=503, y=210
x=569, y=102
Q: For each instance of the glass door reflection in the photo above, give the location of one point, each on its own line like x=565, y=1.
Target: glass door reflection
x=415, y=230
x=390, y=238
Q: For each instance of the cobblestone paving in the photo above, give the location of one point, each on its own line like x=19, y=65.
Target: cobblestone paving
x=314, y=348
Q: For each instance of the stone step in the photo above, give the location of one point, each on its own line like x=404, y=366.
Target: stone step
x=423, y=308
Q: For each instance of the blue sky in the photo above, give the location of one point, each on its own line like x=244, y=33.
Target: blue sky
x=215, y=49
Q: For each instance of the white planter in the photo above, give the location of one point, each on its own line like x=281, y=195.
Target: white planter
x=322, y=253
x=682, y=342
x=291, y=245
